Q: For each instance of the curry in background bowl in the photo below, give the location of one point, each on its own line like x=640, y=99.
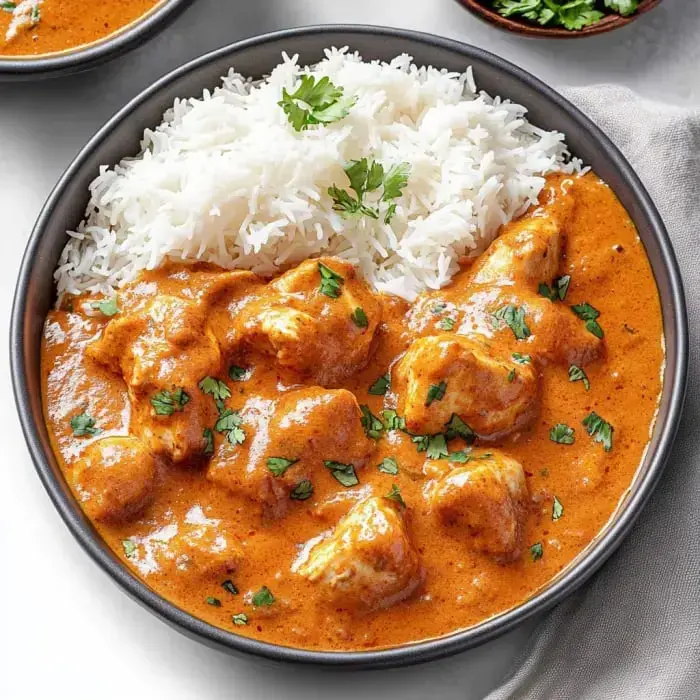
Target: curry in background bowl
x=298, y=465
x=49, y=37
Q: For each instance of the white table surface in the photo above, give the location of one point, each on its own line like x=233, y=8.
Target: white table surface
x=65, y=630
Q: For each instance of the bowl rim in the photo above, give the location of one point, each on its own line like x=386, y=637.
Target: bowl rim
x=608, y=24
x=415, y=652
x=85, y=56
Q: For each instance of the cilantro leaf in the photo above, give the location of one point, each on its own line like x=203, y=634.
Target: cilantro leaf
x=395, y=181
x=381, y=385
x=588, y=314
x=395, y=495
x=393, y=421
x=107, y=307
x=536, y=551
x=599, y=429
x=511, y=376
x=229, y=586
x=446, y=324
x=84, y=424
x=456, y=427
x=436, y=392
x=514, y=317
x=437, y=447
x=624, y=7
x=165, y=403
x=576, y=374
x=372, y=425
x=210, y=600
x=263, y=597
x=238, y=374
x=562, y=434
x=315, y=102
x=331, y=281
x=557, y=509
x=8, y=5
x=359, y=318
x=343, y=473
x=303, y=490
x=521, y=359
x=279, y=465
x=389, y=465
x=230, y=423
x=461, y=457
x=129, y=547
x=240, y=619
x=216, y=389
x=208, y=437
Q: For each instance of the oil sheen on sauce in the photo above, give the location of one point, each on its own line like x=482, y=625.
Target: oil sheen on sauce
x=609, y=269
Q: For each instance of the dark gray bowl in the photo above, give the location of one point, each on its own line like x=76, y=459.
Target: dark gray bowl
x=120, y=136
x=84, y=58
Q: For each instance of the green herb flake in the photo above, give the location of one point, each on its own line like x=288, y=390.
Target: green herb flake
x=229, y=423
x=511, y=376
x=590, y=315
x=514, y=317
x=35, y=15
x=303, y=490
x=359, y=318
x=393, y=421
x=210, y=600
x=389, y=465
x=84, y=424
x=573, y=15
x=456, y=427
x=436, y=392
x=216, y=389
x=381, y=385
x=557, y=509
x=229, y=586
x=263, y=597
x=107, y=307
x=343, y=473
x=536, y=551
x=372, y=425
x=8, y=6
x=460, y=457
x=240, y=619
x=330, y=281
x=559, y=289
x=599, y=429
x=521, y=359
x=208, y=437
x=446, y=324
x=438, y=308
x=165, y=403
x=395, y=495
x=130, y=548
x=562, y=434
x=238, y=374
x=315, y=102
x=279, y=465
x=576, y=374
x=437, y=447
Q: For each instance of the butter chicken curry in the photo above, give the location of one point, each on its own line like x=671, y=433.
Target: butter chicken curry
x=310, y=463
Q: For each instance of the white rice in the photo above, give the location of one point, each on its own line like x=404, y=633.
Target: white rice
x=226, y=179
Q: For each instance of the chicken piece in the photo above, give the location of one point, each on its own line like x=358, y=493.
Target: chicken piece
x=528, y=250
x=485, y=503
x=115, y=479
x=162, y=352
x=305, y=427
x=199, y=546
x=321, y=327
x=444, y=375
x=368, y=561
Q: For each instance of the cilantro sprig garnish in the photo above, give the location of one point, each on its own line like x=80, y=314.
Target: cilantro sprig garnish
x=590, y=315
x=573, y=15
x=368, y=176
x=84, y=424
x=165, y=403
x=344, y=474
x=229, y=424
x=217, y=390
x=514, y=317
x=331, y=282
x=315, y=102
x=599, y=429
x=372, y=425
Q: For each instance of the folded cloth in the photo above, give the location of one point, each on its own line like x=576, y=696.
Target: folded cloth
x=634, y=630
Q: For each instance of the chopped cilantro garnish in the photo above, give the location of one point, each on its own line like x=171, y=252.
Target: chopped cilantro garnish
x=576, y=374
x=303, y=490
x=229, y=586
x=446, y=324
x=511, y=376
x=389, y=465
x=83, y=424
x=165, y=403
x=456, y=427
x=343, y=473
x=129, y=547
x=208, y=437
x=359, y=318
x=393, y=421
x=436, y=392
x=372, y=425
x=279, y=465
x=230, y=423
x=213, y=601
x=557, y=509
x=330, y=281
x=521, y=359
x=562, y=434
x=216, y=389
x=238, y=374
x=381, y=386
x=514, y=317
x=240, y=619
x=263, y=597
x=107, y=307
x=437, y=447
x=395, y=495
x=559, y=288
x=590, y=315
x=315, y=102
x=461, y=457
x=536, y=551
x=599, y=429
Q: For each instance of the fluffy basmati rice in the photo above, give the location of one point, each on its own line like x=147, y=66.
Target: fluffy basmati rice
x=226, y=179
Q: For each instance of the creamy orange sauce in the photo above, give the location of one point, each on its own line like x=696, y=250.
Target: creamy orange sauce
x=65, y=24
x=461, y=587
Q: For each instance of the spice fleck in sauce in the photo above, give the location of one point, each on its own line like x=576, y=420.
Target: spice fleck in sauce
x=256, y=494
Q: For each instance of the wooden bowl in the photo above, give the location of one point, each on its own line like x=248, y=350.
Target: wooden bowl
x=484, y=10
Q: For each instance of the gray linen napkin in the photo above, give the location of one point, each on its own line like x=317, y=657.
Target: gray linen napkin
x=634, y=630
